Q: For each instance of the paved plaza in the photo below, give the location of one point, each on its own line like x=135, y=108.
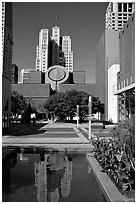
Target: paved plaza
x=60, y=136
x=54, y=135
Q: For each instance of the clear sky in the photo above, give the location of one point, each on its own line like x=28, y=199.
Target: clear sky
x=84, y=22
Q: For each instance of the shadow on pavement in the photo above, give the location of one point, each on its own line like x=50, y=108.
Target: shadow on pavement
x=18, y=129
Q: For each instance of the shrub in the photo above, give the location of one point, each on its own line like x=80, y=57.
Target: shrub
x=117, y=155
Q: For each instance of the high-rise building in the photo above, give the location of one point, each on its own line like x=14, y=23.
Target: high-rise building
x=125, y=86
x=108, y=53
x=66, y=48
x=7, y=43
x=42, y=51
x=54, y=53
x=54, y=50
x=55, y=45
x=56, y=34
x=118, y=13
x=14, y=74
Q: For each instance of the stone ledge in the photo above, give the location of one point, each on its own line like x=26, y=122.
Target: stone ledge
x=111, y=193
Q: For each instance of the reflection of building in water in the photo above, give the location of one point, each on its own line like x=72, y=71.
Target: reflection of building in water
x=23, y=157
x=7, y=164
x=53, y=177
x=54, y=195
x=66, y=180
x=40, y=171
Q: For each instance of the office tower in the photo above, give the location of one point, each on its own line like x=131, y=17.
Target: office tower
x=61, y=58
x=42, y=51
x=54, y=50
x=56, y=34
x=61, y=54
x=14, y=74
x=68, y=54
x=125, y=87
x=38, y=68
x=118, y=13
x=108, y=54
x=55, y=46
x=7, y=39
x=7, y=43
x=54, y=53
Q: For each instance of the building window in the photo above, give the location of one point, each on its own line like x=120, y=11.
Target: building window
x=124, y=7
x=130, y=7
x=119, y=21
x=119, y=7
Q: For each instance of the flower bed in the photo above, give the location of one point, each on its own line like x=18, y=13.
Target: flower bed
x=116, y=155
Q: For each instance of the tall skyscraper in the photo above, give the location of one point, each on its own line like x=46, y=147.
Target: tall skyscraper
x=108, y=55
x=53, y=50
x=42, y=51
x=55, y=46
x=68, y=54
x=56, y=34
x=118, y=13
x=7, y=43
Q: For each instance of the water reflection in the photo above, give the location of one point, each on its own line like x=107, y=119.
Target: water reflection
x=42, y=176
x=53, y=177
x=6, y=170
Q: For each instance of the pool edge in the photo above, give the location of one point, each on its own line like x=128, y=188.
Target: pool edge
x=109, y=190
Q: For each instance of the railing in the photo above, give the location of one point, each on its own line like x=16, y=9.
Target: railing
x=124, y=85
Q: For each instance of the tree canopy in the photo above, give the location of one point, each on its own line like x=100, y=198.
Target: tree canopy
x=64, y=104
x=18, y=103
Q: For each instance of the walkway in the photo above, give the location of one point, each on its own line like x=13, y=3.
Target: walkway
x=59, y=136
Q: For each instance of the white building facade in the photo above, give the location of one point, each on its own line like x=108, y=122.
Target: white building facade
x=42, y=51
x=56, y=34
x=50, y=49
x=68, y=53
x=118, y=13
x=112, y=99
x=25, y=76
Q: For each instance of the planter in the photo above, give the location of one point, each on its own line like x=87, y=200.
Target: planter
x=111, y=193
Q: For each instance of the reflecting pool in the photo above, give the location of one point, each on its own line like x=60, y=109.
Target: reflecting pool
x=30, y=176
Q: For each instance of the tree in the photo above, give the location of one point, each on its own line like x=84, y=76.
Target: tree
x=64, y=104
x=18, y=103
x=56, y=106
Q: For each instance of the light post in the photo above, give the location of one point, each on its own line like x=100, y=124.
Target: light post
x=90, y=108
x=77, y=116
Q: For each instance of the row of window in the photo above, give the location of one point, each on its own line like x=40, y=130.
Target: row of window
x=124, y=7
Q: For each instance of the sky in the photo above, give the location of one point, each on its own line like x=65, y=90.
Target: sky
x=84, y=22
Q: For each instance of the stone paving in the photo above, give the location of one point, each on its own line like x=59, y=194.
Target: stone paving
x=57, y=135
x=54, y=135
